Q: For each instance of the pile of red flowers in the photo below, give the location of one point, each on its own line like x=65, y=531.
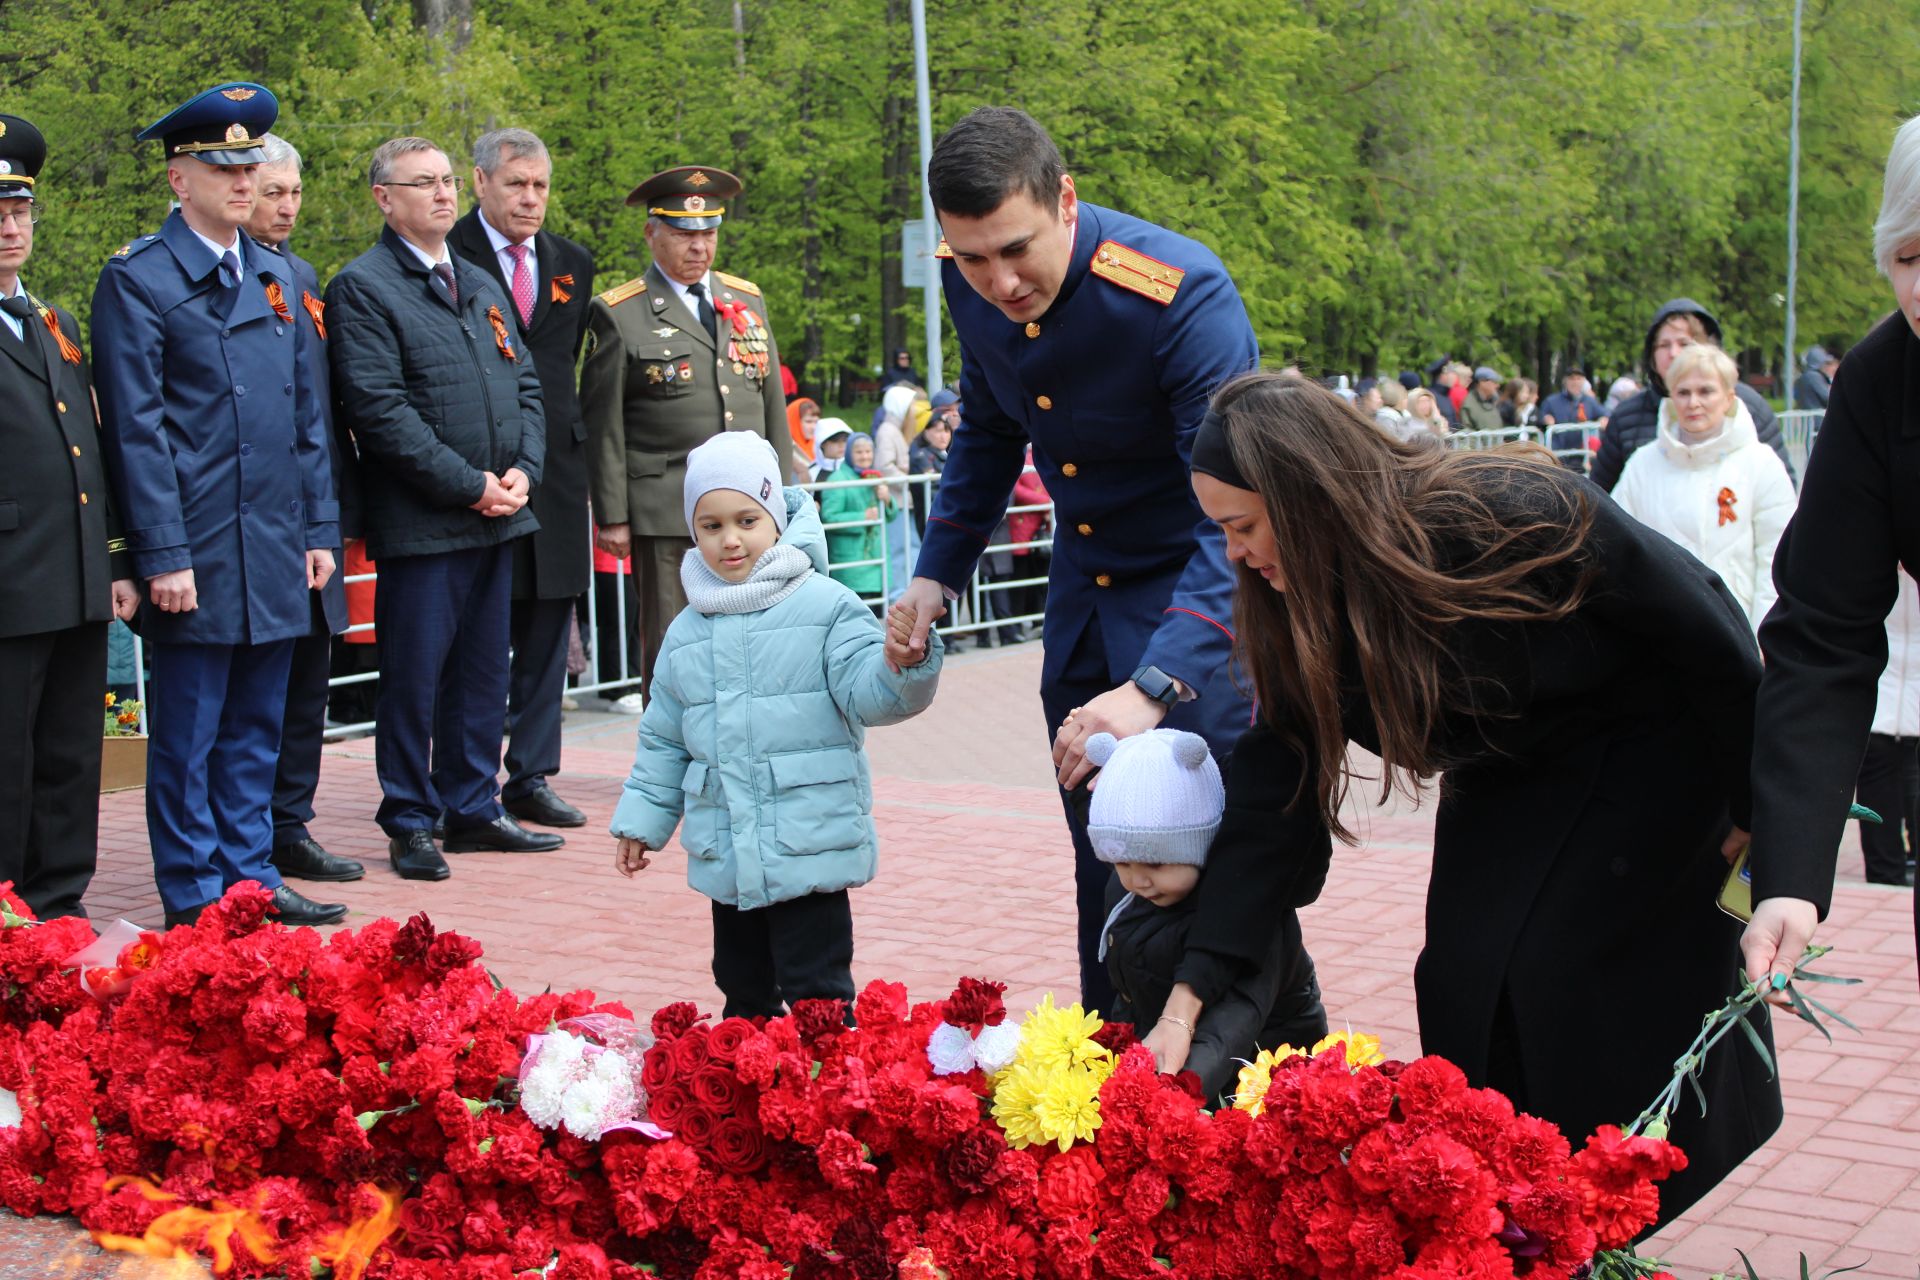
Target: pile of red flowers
x=289, y=1104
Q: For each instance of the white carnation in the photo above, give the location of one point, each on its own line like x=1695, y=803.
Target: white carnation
x=996, y=1047
x=950, y=1050
x=9, y=1110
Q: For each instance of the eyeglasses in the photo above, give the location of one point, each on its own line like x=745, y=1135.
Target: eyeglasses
x=27, y=216
x=451, y=182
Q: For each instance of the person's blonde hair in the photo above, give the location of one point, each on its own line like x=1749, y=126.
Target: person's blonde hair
x=1899, y=222
x=1413, y=398
x=1704, y=355
x=1392, y=394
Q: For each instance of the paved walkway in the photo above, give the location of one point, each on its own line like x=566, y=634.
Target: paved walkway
x=975, y=879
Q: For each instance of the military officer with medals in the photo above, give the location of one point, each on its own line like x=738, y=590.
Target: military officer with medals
x=674, y=357
x=217, y=442
x=64, y=570
x=1100, y=338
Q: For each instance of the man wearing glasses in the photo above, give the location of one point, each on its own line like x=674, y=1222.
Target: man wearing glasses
x=61, y=578
x=217, y=443
x=443, y=399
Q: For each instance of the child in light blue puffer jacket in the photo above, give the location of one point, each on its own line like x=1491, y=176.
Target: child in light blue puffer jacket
x=754, y=730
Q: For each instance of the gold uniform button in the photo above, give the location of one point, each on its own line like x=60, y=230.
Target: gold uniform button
x=725, y=390
x=1045, y=402
x=83, y=499
x=729, y=415
x=61, y=406
x=1085, y=529
x=76, y=451
x=1033, y=328
x=1069, y=471
x=1104, y=580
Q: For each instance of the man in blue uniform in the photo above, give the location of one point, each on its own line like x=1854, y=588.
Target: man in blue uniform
x=1099, y=338
x=218, y=443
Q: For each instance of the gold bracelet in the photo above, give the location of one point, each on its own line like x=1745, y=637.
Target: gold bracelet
x=1181, y=1023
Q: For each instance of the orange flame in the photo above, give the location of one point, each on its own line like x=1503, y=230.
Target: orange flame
x=189, y=1230
x=348, y=1251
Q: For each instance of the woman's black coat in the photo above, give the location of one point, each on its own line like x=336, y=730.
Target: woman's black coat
x=1837, y=566
x=1573, y=942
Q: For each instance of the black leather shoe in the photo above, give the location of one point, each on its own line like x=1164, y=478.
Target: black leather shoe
x=190, y=916
x=549, y=810
x=439, y=828
x=502, y=835
x=290, y=908
x=415, y=858
x=306, y=860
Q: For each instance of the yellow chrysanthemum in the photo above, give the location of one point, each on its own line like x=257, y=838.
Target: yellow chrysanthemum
x=1058, y=1038
x=1015, y=1093
x=1068, y=1106
x=1362, y=1050
x=1256, y=1077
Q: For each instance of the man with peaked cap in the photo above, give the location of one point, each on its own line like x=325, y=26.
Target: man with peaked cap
x=278, y=193
x=217, y=442
x=63, y=569
x=674, y=357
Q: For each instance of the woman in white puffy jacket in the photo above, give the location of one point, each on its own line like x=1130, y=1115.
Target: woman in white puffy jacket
x=1706, y=481
x=1890, y=774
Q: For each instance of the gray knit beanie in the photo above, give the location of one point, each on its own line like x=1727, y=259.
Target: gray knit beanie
x=1159, y=798
x=741, y=461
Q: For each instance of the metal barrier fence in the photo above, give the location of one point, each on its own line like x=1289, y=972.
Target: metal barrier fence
x=1573, y=442
x=980, y=607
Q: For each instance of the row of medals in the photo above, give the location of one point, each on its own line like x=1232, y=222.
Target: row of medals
x=748, y=352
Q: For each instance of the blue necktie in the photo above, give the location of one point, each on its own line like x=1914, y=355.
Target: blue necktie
x=229, y=269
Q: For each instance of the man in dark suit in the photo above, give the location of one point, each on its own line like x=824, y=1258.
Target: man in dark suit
x=550, y=280
x=211, y=417
x=64, y=570
x=276, y=208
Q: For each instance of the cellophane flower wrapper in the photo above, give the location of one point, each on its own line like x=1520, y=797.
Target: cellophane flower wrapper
x=292, y=1104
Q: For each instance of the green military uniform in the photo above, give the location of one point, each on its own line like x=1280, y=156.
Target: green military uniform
x=656, y=385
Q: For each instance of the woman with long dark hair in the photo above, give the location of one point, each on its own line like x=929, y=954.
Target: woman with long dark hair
x=1584, y=691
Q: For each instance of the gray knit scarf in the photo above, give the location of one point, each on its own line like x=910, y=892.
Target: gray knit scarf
x=776, y=575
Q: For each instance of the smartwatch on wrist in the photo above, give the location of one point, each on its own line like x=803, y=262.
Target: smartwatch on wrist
x=1158, y=685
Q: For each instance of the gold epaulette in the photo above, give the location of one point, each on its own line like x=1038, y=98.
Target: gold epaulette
x=943, y=249
x=1131, y=269
x=621, y=292
x=735, y=282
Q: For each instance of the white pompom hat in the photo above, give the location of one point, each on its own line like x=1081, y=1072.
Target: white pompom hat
x=1159, y=800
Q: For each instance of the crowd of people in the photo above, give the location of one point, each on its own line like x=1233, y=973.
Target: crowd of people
x=1584, y=670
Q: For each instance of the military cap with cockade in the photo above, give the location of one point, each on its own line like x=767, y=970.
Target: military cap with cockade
x=22, y=151
x=690, y=197
x=222, y=126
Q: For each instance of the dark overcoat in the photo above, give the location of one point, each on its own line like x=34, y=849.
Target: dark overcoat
x=57, y=515
x=311, y=312
x=1857, y=525
x=1573, y=940
x=211, y=414
x=556, y=563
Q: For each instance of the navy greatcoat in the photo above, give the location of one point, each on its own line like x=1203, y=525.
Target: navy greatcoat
x=1109, y=386
x=206, y=482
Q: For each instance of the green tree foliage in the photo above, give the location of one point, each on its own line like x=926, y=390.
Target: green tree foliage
x=1515, y=182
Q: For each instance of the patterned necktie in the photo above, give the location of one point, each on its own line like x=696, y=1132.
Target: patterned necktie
x=443, y=272
x=699, y=291
x=522, y=283
x=229, y=269
x=20, y=309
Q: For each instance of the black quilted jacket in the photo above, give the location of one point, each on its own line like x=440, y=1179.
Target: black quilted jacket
x=432, y=400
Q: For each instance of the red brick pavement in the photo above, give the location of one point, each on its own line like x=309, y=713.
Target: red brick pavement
x=974, y=879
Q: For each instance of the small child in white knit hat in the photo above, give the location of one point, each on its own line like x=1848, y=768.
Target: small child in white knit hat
x=754, y=732
x=1153, y=816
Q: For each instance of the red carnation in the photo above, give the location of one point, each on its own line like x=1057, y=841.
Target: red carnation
x=970, y=1161
x=975, y=1004
x=880, y=1006
x=675, y=1019
x=737, y=1146
x=1070, y=1184
x=818, y=1020
x=842, y=1159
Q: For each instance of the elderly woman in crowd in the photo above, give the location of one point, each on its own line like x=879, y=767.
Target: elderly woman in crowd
x=1708, y=483
x=1837, y=570
x=1423, y=413
x=1491, y=617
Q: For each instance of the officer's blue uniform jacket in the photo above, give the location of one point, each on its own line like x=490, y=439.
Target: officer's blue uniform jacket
x=214, y=425
x=1110, y=386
